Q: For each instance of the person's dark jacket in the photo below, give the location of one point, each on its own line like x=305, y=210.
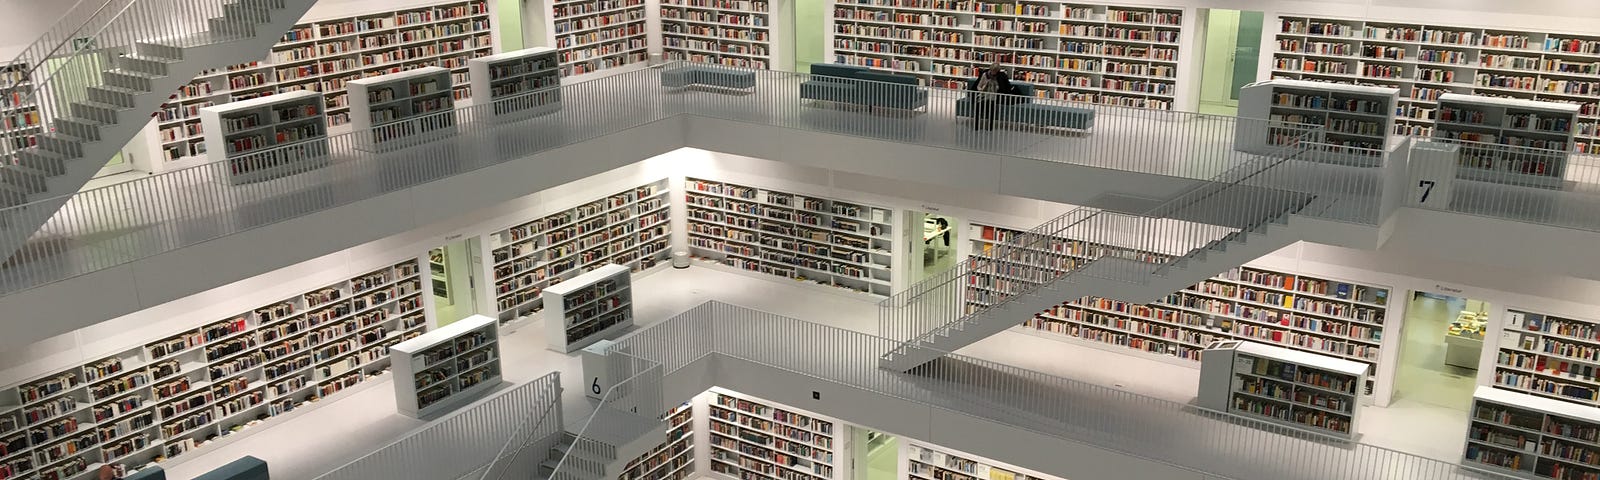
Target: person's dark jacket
x=1006, y=88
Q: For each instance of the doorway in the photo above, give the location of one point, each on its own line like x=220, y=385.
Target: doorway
x=1232, y=54
x=934, y=240
x=879, y=453
x=1441, y=342
x=452, y=274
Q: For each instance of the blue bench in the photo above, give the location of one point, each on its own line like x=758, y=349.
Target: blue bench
x=691, y=75
x=246, y=468
x=849, y=84
x=1022, y=109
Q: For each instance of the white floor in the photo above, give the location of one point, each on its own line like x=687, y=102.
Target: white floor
x=301, y=448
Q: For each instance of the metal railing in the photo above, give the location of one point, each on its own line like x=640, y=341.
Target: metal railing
x=464, y=442
x=626, y=411
x=1532, y=185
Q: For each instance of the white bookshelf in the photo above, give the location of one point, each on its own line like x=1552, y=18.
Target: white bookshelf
x=403, y=108
x=19, y=115
x=630, y=228
x=508, y=80
x=268, y=137
x=595, y=35
x=1084, y=52
x=165, y=398
x=673, y=459
x=589, y=307
x=1513, y=122
x=736, y=33
x=1302, y=312
x=447, y=368
x=1549, y=356
x=1426, y=61
x=322, y=56
x=834, y=243
x=1299, y=389
x=923, y=462
x=1531, y=437
x=1356, y=118
x=745, y=435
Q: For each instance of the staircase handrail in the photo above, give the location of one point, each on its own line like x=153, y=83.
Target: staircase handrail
x=34, y=59
x=647, y=379
x=529, y=425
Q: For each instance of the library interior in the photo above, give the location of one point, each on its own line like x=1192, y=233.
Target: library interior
x=799, y=239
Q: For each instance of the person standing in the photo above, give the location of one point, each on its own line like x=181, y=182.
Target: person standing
x=987, y=88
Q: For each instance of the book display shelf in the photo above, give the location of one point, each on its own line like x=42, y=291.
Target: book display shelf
x=448, y=367
x=672, y=459
x=829, y=242
x=1514, y=122
x=268, y=137
x=1532, y=437
x=1427, y=61
x=1304, y=390
x=590, y=306
x=403, y=108
x=594, y=35
x=736, y=33
x=929, y=463
x=165, y=398
x=1355, y=117
x=1549, y=356
x=508, y=80
x=1301, y=312
x=750, y=440
x=323, y=56
x=19, y=115
x=629, y=228
x=1083, y=52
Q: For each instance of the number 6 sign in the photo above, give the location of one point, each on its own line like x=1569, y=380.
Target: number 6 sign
x=596, y=377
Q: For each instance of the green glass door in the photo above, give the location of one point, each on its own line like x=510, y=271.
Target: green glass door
x=1232, y=55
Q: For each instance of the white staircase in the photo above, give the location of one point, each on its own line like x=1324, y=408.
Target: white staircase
x=1119, y=276
x=603, y=451
x=94, y=102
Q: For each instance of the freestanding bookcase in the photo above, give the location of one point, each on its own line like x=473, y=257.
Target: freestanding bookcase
x=1545, y=128
x=588, y=307
x=448, y=367
x=508, y=80
x=268, y=137
x=1355, y=117
x=1289, y=387
x=812, y=447
x=402, y=109
x=1533, y=437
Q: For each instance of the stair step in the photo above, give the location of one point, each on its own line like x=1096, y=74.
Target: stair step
x=113, y=95
x=66, y=145
x=158, y=50
x=11, y=196
x=231, y=26
x=140, y=63
x=250, y=13
x=104, y=113
x=79, y=127
x=133, y=79
x=28, y=179
x=42, y=160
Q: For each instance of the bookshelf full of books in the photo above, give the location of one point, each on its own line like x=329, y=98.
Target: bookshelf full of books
x=924, y=462
x=1295, y=388
x=322, y=56
x=1426, y=61
x=268, y=137
x=1302, y=312
x=588, y=308
x=402, y=109
x=1531, y=436
x=447, y=368
x=750, y=440
x=673, y=459
x=834, y=243
x=736, y=33
x=1549, y=356
x=1355, y=118
x=509, y=81
x=594, y=35
x=1082, y=52
x=629, y=228
x=1537, y=138
x=165, y=398
x=19, y=113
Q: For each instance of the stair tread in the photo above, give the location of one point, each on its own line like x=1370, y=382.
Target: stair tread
x=26, y=169
x=133, y=73
x=61, y=136
x=86, y=121
x=92, y=103
x=117, y=89
x=150, y=58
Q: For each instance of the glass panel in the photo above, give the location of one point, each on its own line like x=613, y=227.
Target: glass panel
x=1247, y=51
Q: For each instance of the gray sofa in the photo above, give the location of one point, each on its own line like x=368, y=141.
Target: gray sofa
x=148, y=473
x=849, y=84
x=707, y=75
x=1022, y=109
x=247, y=468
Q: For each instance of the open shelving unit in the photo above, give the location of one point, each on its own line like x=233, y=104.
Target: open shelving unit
x=930, y=463
x=736, y=33
x=404, y=108
x=1355, y=118
x=673, y=459
x=1302, y=312
x=629, y=228
x=19, y=115
x=165, y=398
x=1083, y=52
x=1299, y=389
x=508, y=80
x=1426, y=61
x=829, y=242
x=750, y=440
x=1549, y=356
x=290, y=125
x=1531, y=436
x=595, y=35
x=448, y=367
x=590, y=307
x=323, y=56
x=1545, y=126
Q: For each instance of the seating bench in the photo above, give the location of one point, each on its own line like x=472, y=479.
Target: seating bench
x=1022, y=109
x=246, y=468
x=850, y=84
x=691, y=75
